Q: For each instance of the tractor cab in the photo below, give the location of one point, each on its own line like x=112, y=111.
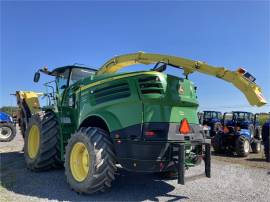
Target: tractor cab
x=213, y=120
x=239, y=134
x=239, y=119
x=211, y=116
x=245, y=122
x=257, y=118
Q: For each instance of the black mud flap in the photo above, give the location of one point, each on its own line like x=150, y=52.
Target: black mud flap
x=180, y=162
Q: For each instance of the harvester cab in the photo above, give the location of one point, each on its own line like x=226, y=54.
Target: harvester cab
x=145, y=120
x=64, y=77
x=213, y=120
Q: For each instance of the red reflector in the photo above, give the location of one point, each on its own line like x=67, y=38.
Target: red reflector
x=184, y=127
x=150, y=133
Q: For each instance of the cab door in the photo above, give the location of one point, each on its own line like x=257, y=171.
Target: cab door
x=68, y=107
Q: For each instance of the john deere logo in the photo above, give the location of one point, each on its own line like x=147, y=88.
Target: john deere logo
x=181, y=90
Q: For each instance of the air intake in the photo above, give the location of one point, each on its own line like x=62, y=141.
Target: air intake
x=113, y=92
x=150, y=85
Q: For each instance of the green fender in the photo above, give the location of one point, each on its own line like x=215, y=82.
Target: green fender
x=109, y=118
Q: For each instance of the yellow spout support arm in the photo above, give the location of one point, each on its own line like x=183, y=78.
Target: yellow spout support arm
x=250, y=89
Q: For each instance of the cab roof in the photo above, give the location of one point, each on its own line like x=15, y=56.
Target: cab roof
x=60, y=70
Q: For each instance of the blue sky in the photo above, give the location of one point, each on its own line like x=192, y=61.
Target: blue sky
x=229, y=34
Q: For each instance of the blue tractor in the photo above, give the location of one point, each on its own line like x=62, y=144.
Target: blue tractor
x=241, y=132
x=213, y=120
x=7, y=128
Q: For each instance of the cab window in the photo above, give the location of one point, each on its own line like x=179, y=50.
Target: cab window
x=62, y=80
x=79, y=73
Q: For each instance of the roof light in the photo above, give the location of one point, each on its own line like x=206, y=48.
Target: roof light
x=241, y=70
x=246, y=74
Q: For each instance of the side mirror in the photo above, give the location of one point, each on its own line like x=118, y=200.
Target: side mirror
x=36, y=77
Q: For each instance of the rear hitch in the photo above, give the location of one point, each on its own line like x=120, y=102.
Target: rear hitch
x=180, y=162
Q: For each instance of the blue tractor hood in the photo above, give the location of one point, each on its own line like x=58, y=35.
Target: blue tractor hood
x=246, y=133
x=4, y=117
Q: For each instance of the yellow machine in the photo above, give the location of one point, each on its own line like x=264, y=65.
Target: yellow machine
x=240, y=78
x=29, y=105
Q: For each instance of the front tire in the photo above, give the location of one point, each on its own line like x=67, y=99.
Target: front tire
x=242, y=146
x=251, y=130
x=256, y=147
x=7, y=132
x=41, y=148
x=258, y=134
x=90, y=161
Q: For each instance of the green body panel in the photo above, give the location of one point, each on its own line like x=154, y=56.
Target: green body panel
x=172, y=106
x=117, y=113
x=138, y=108
x=124, y=100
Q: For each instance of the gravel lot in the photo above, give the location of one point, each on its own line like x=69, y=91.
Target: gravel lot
x=233, y=179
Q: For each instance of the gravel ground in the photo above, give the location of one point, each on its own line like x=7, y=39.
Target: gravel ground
x=232, y=180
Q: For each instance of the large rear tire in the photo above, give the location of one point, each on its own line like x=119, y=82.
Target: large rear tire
x=242, y=146
x=41, y=148
x=90, y=161
x=7, y=132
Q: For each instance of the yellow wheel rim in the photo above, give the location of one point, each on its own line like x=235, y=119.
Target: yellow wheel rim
x=33, y=141
x=79, y=162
